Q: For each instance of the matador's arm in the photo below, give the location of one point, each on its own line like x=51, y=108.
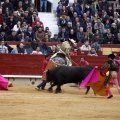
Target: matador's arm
x=104, y=66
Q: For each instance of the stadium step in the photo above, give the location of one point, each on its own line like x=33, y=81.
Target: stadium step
x=49, y=20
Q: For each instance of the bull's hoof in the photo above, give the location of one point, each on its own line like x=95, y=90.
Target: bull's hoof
x=58, y=91
x=50, y=89
x=55, y=92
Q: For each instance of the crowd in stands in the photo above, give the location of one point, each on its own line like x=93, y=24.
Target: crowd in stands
x=89, y=22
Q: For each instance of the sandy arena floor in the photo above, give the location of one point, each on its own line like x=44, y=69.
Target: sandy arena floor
x=23, y=102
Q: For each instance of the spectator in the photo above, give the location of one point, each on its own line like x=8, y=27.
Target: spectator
x=21, y=49
x=86, y=46
x=98, y=38
x=53, y=49
x=95, y=6
x=109, y=39
x=59, y=7
x=80, y=35
x=117, y=22
x=36, y=27
x=105, y=17
x=69, y=27
x=107, y=32
x=27, y=18
x=6, y=14
x=3, y=36
x=55, y=38
x=117, y=41
x=110, y=12
x=5, y=28
x=10, y=22
x=21, y=29
x=72, y=34
x=107, y=24
x=45, y=5
x=83, y=62
x=45, y=49
x=30, y=34
x=76, y=6
x=7, y=4
x=22, y=19
x=46, y=38
x=63, y=11
x=13, y=36
x=92, y=52
x=20, y=11
x=114, y=29
x=70, y=12
x=37, y=19
x=22, y=37
x=62, y=22
x=37, y=51
x=3, y=48
x=96, y=25
x=104, y=4
x=15, y=50
x=101, y=30
x=74, y=49
x=39, y=34
x=63, y=34
x=16, y=18
x=116, y=6
x=17, y=26
x=65, y=2
x=96, y=46
x=47, y=31
x=26, y=5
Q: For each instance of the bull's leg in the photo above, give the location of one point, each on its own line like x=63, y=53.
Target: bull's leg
x=88, y=89
x=58, y=89
x=52, y=85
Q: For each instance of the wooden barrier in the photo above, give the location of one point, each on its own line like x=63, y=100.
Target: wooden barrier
x=17, y=64
x=52, y=43
x=99, y=53
x=21, y=64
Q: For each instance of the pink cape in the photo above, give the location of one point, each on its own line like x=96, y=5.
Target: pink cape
x=92, y=77
x=3, y=83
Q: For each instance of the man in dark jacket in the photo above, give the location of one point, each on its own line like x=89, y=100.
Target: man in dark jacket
x=117, y=41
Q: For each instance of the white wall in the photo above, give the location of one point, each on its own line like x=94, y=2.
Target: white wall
x=55, y=3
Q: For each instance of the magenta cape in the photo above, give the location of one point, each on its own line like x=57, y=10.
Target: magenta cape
x=118, y=72
x=95, y=80
x=3, y=83
x=92, y=77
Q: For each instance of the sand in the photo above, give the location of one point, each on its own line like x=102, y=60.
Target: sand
x=23, y=102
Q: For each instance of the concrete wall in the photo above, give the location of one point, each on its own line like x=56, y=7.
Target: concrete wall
x=55, y=3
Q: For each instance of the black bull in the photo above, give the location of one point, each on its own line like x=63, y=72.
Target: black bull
x=67, y=74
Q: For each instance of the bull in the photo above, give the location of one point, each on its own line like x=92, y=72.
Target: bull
x=67, y=74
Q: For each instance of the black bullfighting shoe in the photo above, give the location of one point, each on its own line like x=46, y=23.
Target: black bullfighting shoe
x=110, y=96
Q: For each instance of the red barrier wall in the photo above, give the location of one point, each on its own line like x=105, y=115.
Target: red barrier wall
x=17, y=64
x=50, y=44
